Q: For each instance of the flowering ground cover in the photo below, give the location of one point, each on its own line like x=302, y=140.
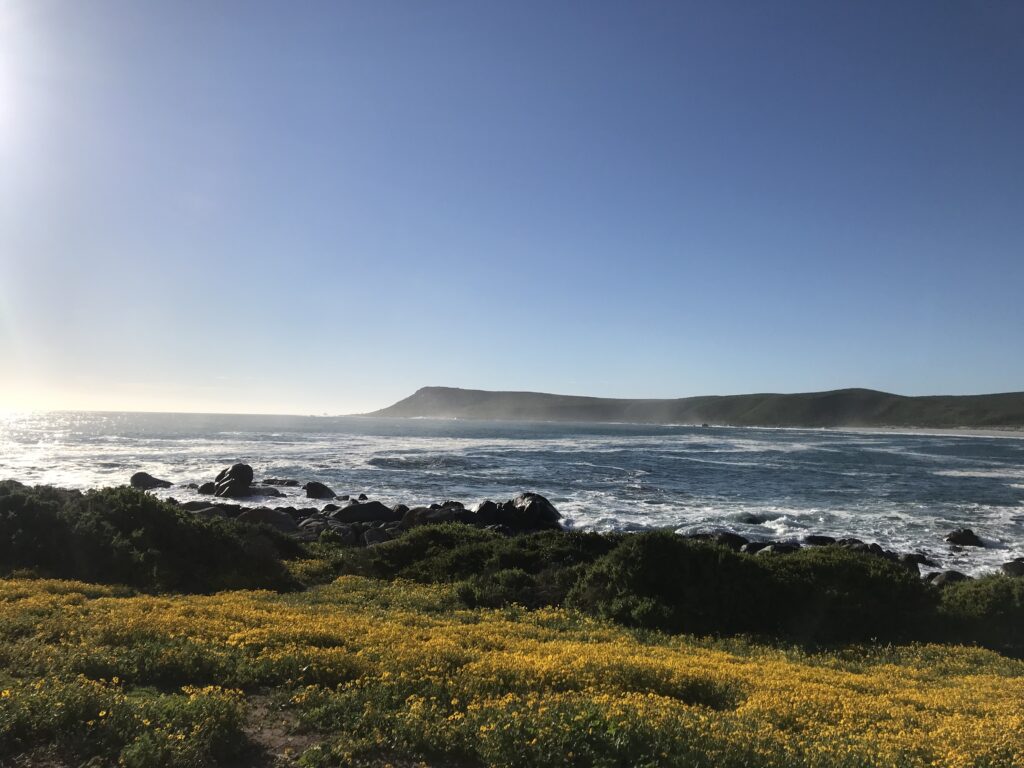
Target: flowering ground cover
x=376, y=672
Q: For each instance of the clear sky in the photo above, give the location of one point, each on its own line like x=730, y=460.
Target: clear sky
x=320, y=207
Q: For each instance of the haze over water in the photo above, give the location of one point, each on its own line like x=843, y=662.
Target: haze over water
x=903, y=491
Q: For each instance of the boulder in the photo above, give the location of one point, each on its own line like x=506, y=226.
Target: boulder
x=778, y=548
x=964, y=537
x=817, y=540
x=361, y=497
x=208, y=488
x=210, y=511
x=280, y=520
x=943, y=578
x=366, y=512
x=315, y=490
x=531, y=511
x=264, y=490
x=239, y=472
x=1014, y=568
x=374, y=536
x=729, y=539
x=753, y=547
x=433, y=515
x=146, y=482
x=283, y=483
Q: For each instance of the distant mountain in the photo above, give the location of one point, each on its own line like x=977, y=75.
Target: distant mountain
x=839, y=408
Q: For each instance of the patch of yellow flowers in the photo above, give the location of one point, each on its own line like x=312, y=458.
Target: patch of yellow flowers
x=398, y=668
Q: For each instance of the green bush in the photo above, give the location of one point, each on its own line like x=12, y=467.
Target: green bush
x=125, y=536
x=988, y=611
x=823, y=595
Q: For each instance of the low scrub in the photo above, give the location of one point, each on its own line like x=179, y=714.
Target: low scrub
x=124, y=536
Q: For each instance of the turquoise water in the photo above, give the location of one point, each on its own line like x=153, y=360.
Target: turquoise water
x=902, y=491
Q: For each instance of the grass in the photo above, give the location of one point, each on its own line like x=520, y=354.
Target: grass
x=376, y=671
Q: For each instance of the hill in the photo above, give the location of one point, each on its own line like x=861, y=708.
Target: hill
x=838, y=408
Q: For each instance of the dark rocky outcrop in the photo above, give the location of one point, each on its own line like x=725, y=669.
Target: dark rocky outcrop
x=964, y=537
x=942, y=578
x=366, y=512
x=234, y=481
x=282, y=483
x=1013, y=568
x=316, y=490
x=208, y=488
x=817, y=540
x=277, y=518
x=146, y=482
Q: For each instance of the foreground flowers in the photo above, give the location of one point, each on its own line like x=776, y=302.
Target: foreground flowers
x=380, y=670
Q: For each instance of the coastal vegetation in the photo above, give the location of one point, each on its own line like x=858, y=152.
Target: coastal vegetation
x=213, y=642
x=838, y=408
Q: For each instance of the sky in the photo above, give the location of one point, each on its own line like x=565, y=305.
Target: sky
x=320, y=207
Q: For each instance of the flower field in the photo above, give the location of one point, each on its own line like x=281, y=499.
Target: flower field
x=377, y=672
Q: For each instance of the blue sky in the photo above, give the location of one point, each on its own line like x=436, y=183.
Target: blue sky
x=320, y=207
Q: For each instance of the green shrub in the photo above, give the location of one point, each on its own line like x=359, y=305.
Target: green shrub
x=125, y=536
x=988, y=611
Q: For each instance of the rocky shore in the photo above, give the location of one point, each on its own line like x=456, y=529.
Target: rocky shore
x=360, y=521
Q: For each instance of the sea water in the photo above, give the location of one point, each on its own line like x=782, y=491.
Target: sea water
x=903, y=491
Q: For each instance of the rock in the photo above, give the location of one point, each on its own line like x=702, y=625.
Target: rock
x=778, y=548
x=849, y=543
x=313, y=525
x=208, y=488
x=964, y=537
x=817, y=540
x=361, y=497
x=375, y=536
x=210, y=511
x=1014, y=568
x=331, y=507
x=918, y=559
x=531, y=511
x=433, y=515
x=946, y=577
x=366, y=512
x=729, y=539
x=399, y=509
x=315, y=490
x=192, y=487
x=280, y=520
x=240, y=472
x=232, y=489
x=267, y=490
x=753, y=547
x=146, y=482
x=283, y=483
x=194, y=506
x=487, y=512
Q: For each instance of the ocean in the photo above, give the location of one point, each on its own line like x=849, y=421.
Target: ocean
x=903, y=491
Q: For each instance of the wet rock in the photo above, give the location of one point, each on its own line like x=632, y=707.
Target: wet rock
x=315, y=490
x=282, y=483
x=964, y=537
x=753, y=547
x=366, y=512
x=435, y=515
x=778, y=548
x=817, y=540
x=267, y=490
x=531, y=511
x=374, y=536
x=1013, y=568
x=234, y=481
x=280, y=520
x=146, y=482
x=943, y=578
x=729, y=539
x=399, y=509
x=208, y=488
x=361, y=497
x=331, y=507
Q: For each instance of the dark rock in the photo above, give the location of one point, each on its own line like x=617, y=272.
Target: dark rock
x=361, y=497
x=239, y=472
x=918, y=559
x=849, y=543
x=343, y=498
x=280, y=520
x=192, y=487
x=331, y=507
x=146, y=482
x=909, y=562
x=817, y=540
x=283, y=483
x=208, y=488
x=366, y=512
x=315, y=490
x=946, y=577
x=210, y=511
x=487, y=513
x=266, y=490
x=399, y=509
x=232, y=489
x=729, y=539
x=964, y=537
x=1014, y=568
x=374, y=536
x=531, y=511
x=753, y=547
x=431, y=515
x=193, y=506
x=778, y=548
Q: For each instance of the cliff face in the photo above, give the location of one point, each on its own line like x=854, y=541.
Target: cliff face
x=838, y=408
